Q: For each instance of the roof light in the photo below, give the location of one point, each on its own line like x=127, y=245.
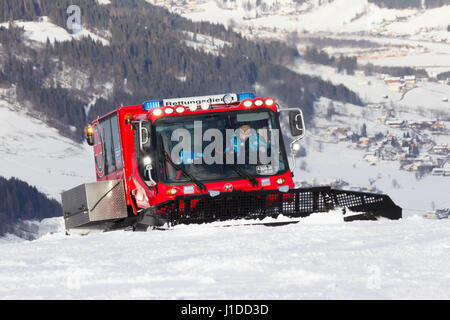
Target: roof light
x=168, y=110
x=180, y=109
x=246, y=95
x=157, y=112
x=269, y=102
x=204, y=106
x=192, y=107
x=247, y=103
x=128, y=118
x=148, y=105
x=89, y=131
x=259, y=103
x=227, y=99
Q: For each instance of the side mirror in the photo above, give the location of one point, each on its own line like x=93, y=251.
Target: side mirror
x=144, y=135
x=296, y=123
x=297, y=126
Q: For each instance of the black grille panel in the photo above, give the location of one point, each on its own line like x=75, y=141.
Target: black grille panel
x=187, y=209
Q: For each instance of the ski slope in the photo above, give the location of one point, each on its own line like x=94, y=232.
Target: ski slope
x=36, y=153
x=40, y=31
x=319, y=258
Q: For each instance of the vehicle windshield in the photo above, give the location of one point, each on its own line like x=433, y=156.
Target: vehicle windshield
x=218, y=146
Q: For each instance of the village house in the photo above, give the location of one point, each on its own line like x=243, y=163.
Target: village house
x=392, y=80
x=437, y=126
x=395, y=123
x=442, y=149
x=410, y=79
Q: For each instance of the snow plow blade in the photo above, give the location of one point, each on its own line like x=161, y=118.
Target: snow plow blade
x=295, y=203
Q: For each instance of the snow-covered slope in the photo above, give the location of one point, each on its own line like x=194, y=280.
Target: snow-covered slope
x=333, y=16
x=42, y=30
x=407, y=259
x=36, y=153
x=407, y=37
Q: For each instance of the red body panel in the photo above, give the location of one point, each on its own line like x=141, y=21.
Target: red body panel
x=138, y=194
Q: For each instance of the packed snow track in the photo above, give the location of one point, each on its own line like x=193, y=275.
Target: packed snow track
x=321, y=257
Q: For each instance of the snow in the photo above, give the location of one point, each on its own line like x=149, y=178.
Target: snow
x=36, y=153
x=427, y=97
x=40, y=31
x=336, y=161
x=424, y=31
x=321, y=257
x=204, y=42
x=361, y=16
x=406, y=259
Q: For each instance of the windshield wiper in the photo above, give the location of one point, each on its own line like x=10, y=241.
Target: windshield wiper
x=245, y=174
x=199, y=184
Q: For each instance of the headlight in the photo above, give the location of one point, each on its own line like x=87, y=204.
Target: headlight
x=247, y=103
x=180, y=109
x=157, y=112
x=172, y=191
x=147, y=161
x=269, y=102
x=259, y=103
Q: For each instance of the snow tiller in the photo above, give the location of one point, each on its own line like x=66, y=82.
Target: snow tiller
x=199, y=160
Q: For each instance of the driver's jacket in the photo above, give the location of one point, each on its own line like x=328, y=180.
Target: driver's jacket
x=254, y=142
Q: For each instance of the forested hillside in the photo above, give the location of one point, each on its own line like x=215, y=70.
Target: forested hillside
x=147, y=57
x=404, y=4
x=20, y=201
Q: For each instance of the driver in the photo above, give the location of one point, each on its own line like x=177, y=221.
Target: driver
x=246, y=138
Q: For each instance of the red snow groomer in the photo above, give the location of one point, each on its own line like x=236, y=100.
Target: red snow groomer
x=202, y=159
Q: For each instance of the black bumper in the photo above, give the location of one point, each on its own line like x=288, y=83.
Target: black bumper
x=259, y=204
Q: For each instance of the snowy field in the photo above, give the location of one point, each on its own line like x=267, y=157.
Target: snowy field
x=40, y=31
x=321, y=258
x=415, y=197
x=36, y=153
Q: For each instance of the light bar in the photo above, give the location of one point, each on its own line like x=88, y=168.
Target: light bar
x=148, y=105
x=246, y=95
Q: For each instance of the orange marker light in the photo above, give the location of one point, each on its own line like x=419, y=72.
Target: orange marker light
x=90, y=131
x=128, y=117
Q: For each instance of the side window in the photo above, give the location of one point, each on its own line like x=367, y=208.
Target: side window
x=117, y=146
x=108, y=147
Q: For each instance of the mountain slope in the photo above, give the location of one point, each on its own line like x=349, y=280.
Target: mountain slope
x=424, y=19
x=142, y=52
x=21, y=202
